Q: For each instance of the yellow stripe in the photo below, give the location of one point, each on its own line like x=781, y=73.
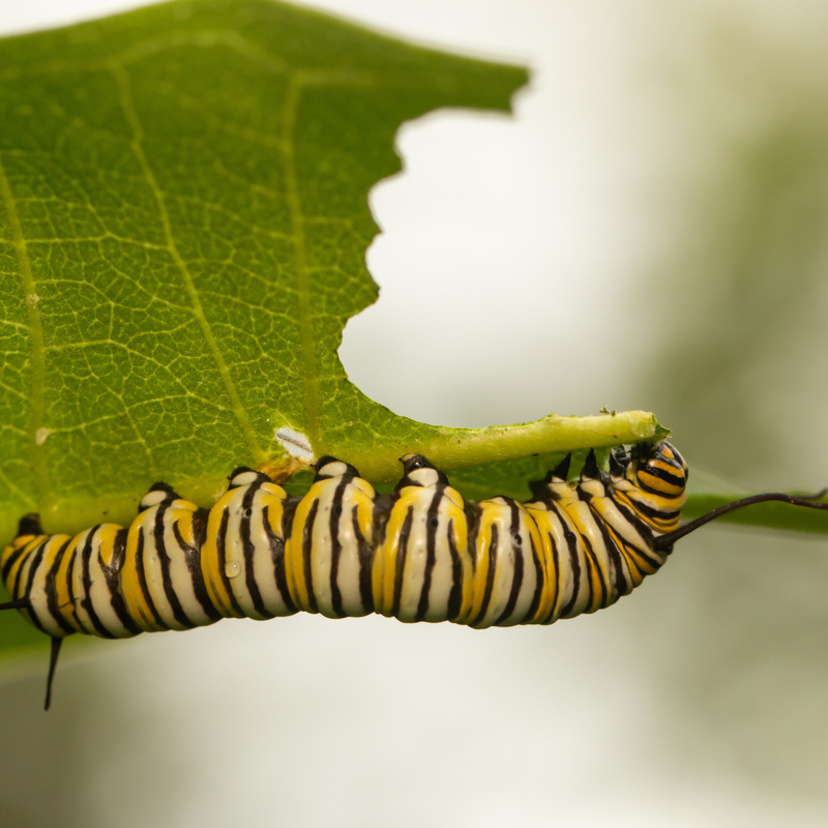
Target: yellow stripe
x=210, y=565
x=64, y=599
x=29, y=543
x=488, y=517
x=294, y=558
x=539, y=515
x=460, y=526
x=136, y=603
x=105, y=543
x=383, y=574
x=536, y=541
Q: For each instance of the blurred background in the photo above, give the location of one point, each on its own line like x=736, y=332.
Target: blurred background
x=648, y=231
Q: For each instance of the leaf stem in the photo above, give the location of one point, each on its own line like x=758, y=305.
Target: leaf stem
x=453, y=448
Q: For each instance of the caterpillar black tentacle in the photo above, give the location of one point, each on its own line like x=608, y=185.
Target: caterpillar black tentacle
x=419, y=554
x=808, y=501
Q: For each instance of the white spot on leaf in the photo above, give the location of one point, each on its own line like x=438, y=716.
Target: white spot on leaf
x=40, y=435
x=295, y=444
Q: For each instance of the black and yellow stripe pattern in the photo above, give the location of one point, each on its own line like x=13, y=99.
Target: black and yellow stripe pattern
x=419, y=554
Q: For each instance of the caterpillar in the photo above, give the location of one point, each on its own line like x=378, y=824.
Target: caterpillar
x=419, y=554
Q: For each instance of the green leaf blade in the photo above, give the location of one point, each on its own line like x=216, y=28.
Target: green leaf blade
x=184, y=203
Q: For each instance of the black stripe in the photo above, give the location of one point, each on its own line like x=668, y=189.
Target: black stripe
x=49, y=587
x=432, y=524
x=616, y=555
x=221, y=550
x=456, y=594
x=472, y=511
x=10, y=561
x=592, y=563
x=307, y=549
x=402, y=551
x=70, y=585
x=487, y=592
x=634, y=562
x=277, y=556
x=556, y=569
x=572, y=542
x=632, y=517
x=142, y=579
x=675, y=476
x=249, y=549
x=539, y=584
x=654, y=512
x=15, y=590
x=288, y=514
x=112, y=573
x=612, y=578
x=162, y=517
x=37, y=558
x=366, y=564
x=336, y=545
x=678, y=482
x=192, y=559
x=91, y=549
x=517, y=553
x=643, y=528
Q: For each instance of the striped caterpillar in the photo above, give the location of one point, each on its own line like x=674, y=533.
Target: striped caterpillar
x=419, y=554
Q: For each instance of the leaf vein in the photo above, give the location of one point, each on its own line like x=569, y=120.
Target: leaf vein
x=304, y=284
x=122, y=80
x=37, y=365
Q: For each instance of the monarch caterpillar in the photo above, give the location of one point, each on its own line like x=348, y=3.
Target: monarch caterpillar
x=419, y=554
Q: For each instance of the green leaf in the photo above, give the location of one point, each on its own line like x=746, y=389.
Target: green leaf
x=183, y=231
x=182, y=239
x=183, y=227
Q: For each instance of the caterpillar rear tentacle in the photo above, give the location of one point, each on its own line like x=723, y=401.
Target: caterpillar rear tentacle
x=419, y=554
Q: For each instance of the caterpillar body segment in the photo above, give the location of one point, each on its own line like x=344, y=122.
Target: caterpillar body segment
x=243, y=551
x=422, y=563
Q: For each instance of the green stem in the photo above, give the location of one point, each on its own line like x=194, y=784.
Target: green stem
x=453, y=448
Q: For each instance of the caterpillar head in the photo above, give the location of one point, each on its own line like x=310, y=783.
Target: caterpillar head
x=658, y=468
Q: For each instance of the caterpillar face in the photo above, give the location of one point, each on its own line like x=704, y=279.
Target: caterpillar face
x=659, y=469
